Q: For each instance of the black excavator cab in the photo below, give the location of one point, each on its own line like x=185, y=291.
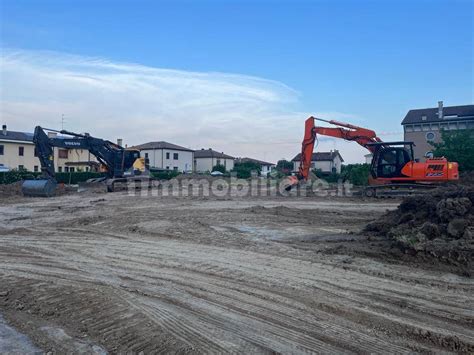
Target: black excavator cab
x=389, y=158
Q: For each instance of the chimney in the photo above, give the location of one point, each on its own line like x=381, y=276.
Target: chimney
x=119, y=141
x=4, y=129
x=440, y=109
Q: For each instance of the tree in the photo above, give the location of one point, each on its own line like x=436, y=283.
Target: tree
x=244, y=170
x=284, y=166
x=457, y=146
x=328, y=177
x=219, y=167
x=356, y=174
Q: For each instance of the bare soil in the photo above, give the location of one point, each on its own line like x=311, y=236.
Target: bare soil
x=109, y=272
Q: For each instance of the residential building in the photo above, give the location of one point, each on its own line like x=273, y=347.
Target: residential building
x=266, y=167
x=326, y=162
x=423, y=126
x=206, y=159
x=167, y=156
x=17, y=151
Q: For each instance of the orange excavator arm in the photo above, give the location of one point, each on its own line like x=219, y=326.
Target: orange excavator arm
x=346, y=131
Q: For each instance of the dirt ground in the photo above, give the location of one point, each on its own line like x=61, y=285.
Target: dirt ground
x=98, y=273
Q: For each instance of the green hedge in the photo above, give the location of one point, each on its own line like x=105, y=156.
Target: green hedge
x=12, y=176
x=66, y=178
x=165, y=175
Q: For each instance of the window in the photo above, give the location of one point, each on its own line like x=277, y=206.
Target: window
x=175, y=168
x=21, y=151
x=423, y=118
x=35, y=152
x=87, y=168
x=63, y=153
x=167, y=155
x=60, y=169
x=35, y=168
x=175, y=156
x=167, y=168
x=71, y=169
x=21, y=167
x=146, y=155
x=2, y=149
x=430, y=136
x=66, y=169
x=218, y=162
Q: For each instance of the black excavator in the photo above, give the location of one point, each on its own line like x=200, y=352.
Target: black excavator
x=120, y=164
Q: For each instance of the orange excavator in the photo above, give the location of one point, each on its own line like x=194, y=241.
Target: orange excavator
x=393, y=166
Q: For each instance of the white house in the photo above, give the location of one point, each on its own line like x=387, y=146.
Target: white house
x=167, y=156
x=326, y=162
x=266, y=167
x=206, y=159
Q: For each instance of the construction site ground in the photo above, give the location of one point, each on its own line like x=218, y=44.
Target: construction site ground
x=96, y=273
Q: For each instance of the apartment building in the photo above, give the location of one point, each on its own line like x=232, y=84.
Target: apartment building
x=423, y=126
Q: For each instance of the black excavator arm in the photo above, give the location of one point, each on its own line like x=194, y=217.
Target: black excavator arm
x=117, y=160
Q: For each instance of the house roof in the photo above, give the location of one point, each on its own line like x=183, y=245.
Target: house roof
x=256, y=161
x=160, y=145
x=321, y=156
x=16, y=136
x=209, y=153
x=449, y=113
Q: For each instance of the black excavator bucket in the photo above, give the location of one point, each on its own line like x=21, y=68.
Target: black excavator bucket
x=39, y=188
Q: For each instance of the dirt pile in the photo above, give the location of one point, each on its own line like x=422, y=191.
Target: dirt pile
x=439, y=224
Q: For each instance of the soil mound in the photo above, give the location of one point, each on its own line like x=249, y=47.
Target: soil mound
x=8, y=190
x=439, y=224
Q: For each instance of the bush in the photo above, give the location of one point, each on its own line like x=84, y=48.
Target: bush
x=356, y=174
x=328, y=177
x=219, y=167
x=65, y=178
x=244, y=170
x=15, y=175
x=284, y=167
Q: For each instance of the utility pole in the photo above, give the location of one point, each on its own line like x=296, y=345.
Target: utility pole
x=62, y=121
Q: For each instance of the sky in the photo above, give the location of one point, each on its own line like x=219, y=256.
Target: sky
x=236, y=76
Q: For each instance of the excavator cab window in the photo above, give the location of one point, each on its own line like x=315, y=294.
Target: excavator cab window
x=391, y=161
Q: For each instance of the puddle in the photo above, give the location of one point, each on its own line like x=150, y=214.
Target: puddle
x=14, y=342
x=262, y=232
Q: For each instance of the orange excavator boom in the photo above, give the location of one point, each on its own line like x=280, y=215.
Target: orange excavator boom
x=362, y=136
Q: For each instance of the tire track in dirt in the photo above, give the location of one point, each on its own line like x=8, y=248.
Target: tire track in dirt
x=247, y=297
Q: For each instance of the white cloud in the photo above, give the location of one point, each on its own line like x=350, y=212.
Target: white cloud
x=238, y=114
